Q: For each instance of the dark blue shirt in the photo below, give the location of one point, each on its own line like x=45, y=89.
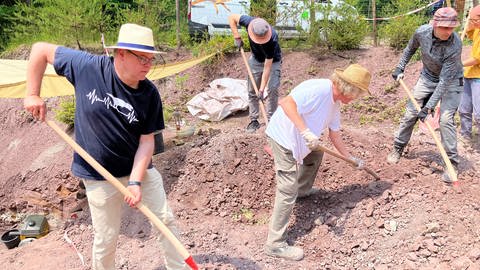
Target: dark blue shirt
x=110, y=116
x=269, y=50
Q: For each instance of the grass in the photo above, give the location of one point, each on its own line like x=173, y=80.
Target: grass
x=374, y=110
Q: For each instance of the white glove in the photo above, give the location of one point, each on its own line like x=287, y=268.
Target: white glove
x=312, y=140
x=358, y=162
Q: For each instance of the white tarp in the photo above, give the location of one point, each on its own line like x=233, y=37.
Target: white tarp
x=223, y=97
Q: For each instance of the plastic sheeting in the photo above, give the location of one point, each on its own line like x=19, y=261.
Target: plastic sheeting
x=13, y=77
x=223, y=97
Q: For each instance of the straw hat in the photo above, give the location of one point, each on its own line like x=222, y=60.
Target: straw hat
x=259, y=31
x=355, y=75
x=445, y=17
x=136, y=38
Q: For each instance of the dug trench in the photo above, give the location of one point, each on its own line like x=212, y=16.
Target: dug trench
x=221, y=184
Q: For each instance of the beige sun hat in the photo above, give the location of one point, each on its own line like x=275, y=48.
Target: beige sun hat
x=259, y=31
x=355, y=75
x=136, y=38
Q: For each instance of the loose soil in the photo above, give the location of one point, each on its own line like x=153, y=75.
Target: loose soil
x=220, y=184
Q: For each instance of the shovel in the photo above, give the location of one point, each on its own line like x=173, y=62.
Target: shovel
x=450, y=170
x=114, y=181
x=252, y=79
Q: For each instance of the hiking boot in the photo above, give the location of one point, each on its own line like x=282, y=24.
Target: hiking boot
x=254, y=125
x=287, y=252
x=312, y=191
x=395, y=155
x=446, y=177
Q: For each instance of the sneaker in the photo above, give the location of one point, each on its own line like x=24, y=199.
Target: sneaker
x=312, y=191
x=254, y=125
x=395, y=155
x=446, y=177
x=287, y=252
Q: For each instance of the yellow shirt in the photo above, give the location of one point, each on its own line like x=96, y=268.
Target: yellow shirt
x=474, y=71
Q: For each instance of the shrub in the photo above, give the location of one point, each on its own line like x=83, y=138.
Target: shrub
x=397, y=32
x=339, y=28
x=66, y=111
x=266, y=9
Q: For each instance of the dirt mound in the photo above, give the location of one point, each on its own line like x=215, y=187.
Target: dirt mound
x=234, y=170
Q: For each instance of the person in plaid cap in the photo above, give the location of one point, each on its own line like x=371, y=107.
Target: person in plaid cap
x=441, y=79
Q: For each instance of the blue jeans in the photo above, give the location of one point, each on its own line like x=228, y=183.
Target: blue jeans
x=273, y=85
x=448, y=106
x=469, y=108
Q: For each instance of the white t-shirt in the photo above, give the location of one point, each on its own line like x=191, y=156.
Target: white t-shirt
x=314, y=99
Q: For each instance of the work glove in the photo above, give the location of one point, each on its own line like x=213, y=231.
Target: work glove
x=312, y=140
x=397, y=74
x=260, y=95
x=238, y=42
x=359, y=163
x=423, y=113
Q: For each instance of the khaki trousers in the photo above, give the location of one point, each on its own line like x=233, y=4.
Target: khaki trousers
x=292, y=178
x=105, y=203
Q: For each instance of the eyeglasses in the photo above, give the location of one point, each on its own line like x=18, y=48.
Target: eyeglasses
x=143, y=60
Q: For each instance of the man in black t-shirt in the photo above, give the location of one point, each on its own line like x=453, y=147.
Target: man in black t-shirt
x=117, y=111
x=265, y=63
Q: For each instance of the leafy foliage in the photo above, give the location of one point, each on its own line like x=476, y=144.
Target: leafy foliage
x=338, y=27
x=6, y=24
x=66, y=111
x=397, y=32
x=266, y=9
x=80, y=22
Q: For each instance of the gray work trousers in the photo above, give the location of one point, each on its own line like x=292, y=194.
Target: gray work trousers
x=448, y=106
x=292, y=178
x=469, y=108
x=273, y=85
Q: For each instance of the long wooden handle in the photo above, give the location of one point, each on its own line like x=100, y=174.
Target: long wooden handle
x=450, y=170
x=465, y=26
x=335, y=154
x=114, y=181
x=252, y=79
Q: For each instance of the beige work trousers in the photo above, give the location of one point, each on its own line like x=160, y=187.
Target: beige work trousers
x=292, y=178
x=105, y=203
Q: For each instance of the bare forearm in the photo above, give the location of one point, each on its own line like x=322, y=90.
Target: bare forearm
x=266, y=74
x=143, y=157
x=233, y=22
x=40, y=55
x=471, y=62
x=337, y=141
x=290, y=108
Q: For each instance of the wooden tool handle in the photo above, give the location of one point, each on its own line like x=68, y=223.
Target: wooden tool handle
x=335, y=154
x=450, y=170
x=254, y=84
x=114, y=181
